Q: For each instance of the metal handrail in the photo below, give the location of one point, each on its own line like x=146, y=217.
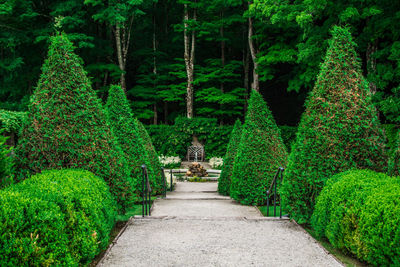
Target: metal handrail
x=146, y=193
x=165, y=183
x=273, y=186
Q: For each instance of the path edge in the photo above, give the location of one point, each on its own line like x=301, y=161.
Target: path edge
x=115, y=240
x=317, y=242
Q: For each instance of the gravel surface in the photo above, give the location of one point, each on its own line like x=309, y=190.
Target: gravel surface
x=195, y=187
x=208, y=208
x=208, y=242
x=190, y=229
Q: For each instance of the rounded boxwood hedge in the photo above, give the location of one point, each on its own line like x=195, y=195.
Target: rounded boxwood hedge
x=339, y=129
x=59, y=217
x=358, y=211
x=224, y=181
x=261, y=152
x=67, y=126
x=125, y=130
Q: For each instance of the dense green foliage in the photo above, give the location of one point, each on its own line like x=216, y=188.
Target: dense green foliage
x=12, y=121
x=124, y=128
x=59, y=217
x=174, y=140
x=6, y=163
x=67, y=127
x=224, y=181
x=156, y=178
x=261, y=152
x=358, y=211
x=290, y=39
x=296, y=39
x=339, y=129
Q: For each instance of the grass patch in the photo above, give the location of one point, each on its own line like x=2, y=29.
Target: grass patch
x=347, y=260
x=263, y=210
x=135, y=210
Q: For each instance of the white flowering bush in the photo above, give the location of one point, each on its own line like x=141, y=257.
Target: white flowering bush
x=216, y=163
x=170, y=162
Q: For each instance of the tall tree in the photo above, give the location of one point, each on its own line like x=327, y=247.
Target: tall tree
x=189, y=37
x=119, y=15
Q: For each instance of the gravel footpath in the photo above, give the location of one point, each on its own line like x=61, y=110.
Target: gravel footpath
x=203, y=232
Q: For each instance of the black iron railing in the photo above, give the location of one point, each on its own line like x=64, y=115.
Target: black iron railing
x=146, y=193
x=170, y=185
x=273, y=186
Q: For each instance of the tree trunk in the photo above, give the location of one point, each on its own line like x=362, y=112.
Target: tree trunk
x=255, y=85
x=189, y=61
x=155, y=118
x=122, y=39
x=120, y=58
x=371, y=63
x=154, y=66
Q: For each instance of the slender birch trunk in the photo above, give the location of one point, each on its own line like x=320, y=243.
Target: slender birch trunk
x=189, y=54
x=255, y=85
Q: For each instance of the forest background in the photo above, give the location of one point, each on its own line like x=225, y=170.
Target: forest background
x=201, y=58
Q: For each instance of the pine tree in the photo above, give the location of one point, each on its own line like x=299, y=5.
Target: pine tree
x=67, y=126
x=154, y=162
x=261, y=152
x=123, y=126
x=339, y=129
x=224, y=181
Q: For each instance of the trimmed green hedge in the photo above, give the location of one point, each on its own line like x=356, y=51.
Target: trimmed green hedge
x=124, y=127
x=224, y=181
x=6, y=163
x=12, y=121
x=260, y=153
x=59, y=217
x=173, y=140
x=359, y=212
x=154, y=164
x=339, y=129
x=67, y=126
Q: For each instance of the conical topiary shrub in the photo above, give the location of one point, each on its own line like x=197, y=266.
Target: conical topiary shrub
x=261, y=152
x=224, y=181
x=123, y=126
x=156, y=179
x=339, y=129
x=67, y=127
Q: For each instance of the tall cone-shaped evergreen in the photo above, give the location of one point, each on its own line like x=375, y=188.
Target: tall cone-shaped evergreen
x=224, y=181
x=123, y=126
x=157, y=178
x=339, y=129
x=261, y=152
x=67, y=126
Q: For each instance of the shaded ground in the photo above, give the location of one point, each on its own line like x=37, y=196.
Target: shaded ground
x=196, y=227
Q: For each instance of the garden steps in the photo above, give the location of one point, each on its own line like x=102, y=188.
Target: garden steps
x=197, y=231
